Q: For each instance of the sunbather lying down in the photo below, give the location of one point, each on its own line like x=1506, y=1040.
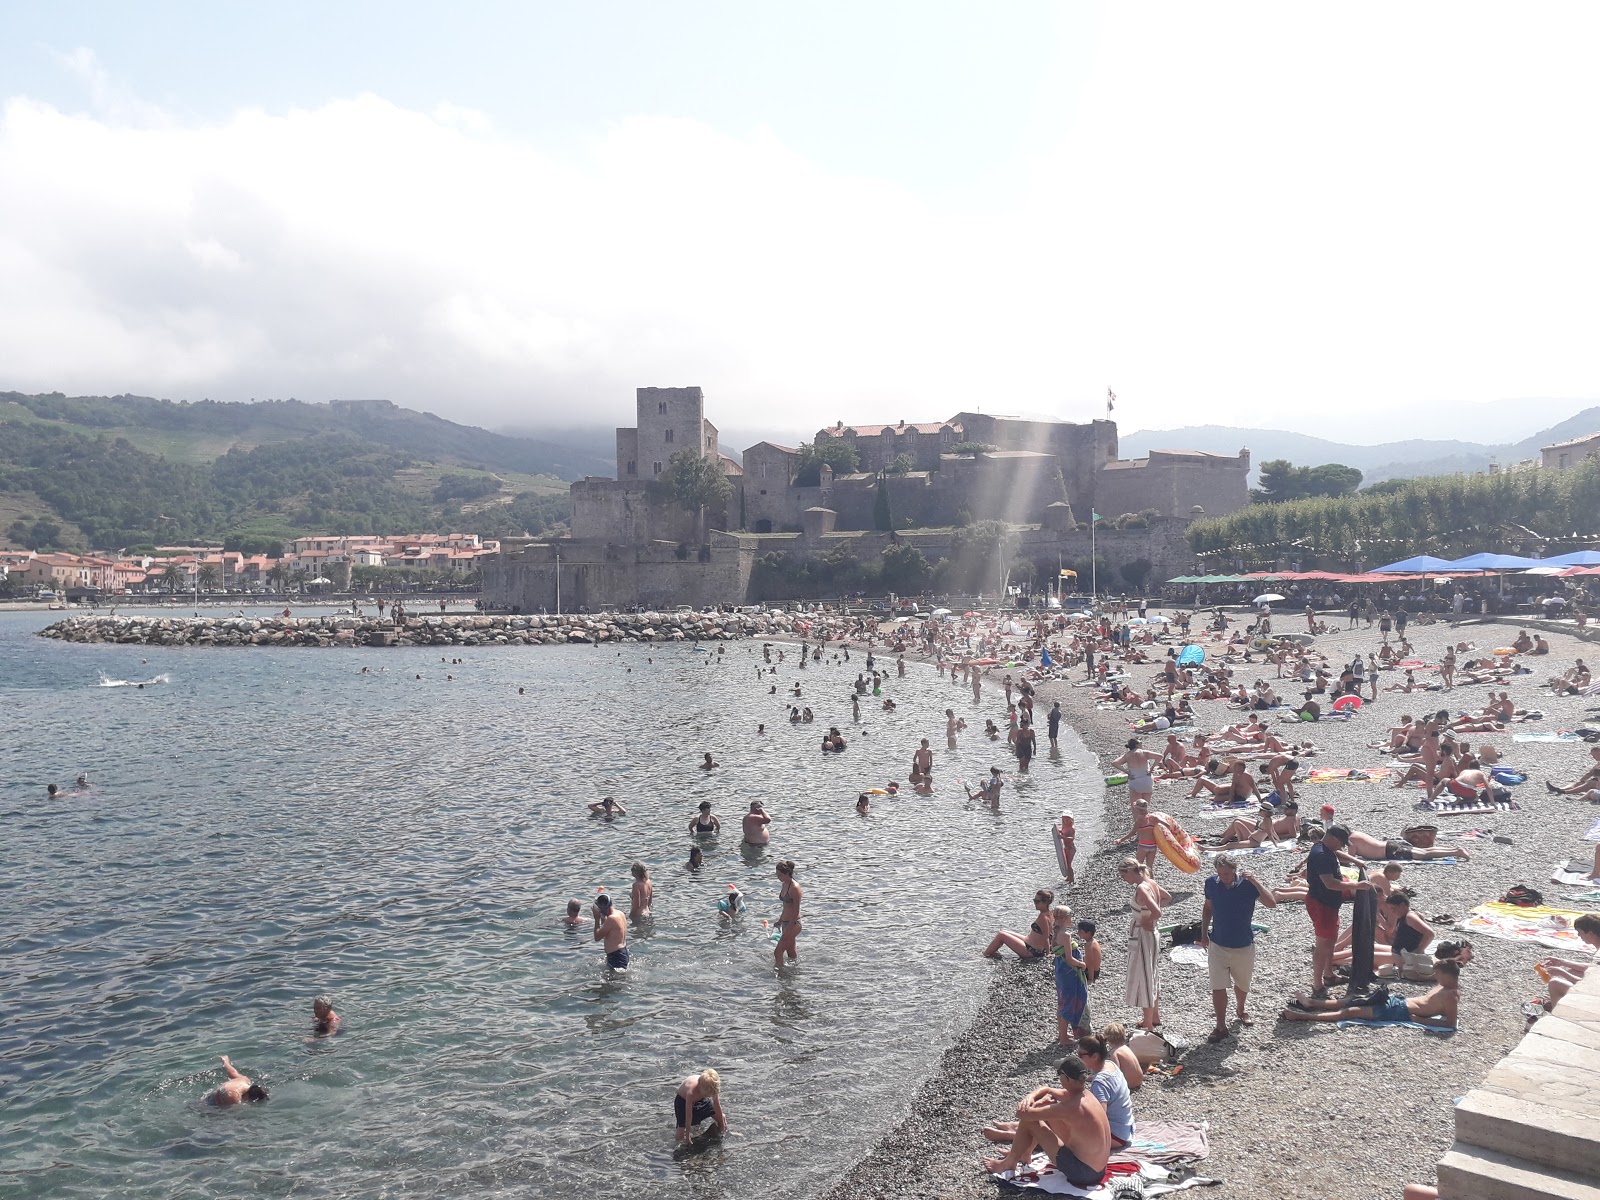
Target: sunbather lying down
x=1415, y=844
x=1436, y=1007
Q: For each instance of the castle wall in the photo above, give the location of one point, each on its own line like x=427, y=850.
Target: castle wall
x=768, y=470
x=627, y=454
x=1080, y=449
x=1172, y=483
x=594, y=577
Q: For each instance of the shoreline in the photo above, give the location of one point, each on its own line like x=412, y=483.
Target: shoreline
x=1264, y=1089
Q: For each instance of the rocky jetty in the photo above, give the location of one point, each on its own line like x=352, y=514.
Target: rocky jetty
x=464, y=630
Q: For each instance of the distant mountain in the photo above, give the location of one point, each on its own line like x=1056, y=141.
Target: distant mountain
x=1386, y=460
x=107, y=472
x=204, y=430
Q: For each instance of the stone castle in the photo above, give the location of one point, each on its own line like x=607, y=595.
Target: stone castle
x=1044, y=477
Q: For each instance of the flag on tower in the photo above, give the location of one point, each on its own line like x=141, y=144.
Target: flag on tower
x=1111, y=401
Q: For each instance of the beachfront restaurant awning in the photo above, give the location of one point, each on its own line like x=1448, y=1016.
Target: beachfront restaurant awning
x=1492, y=562
x=1574, y=558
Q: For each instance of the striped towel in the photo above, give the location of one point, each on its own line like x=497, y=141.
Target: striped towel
x=1462, y=808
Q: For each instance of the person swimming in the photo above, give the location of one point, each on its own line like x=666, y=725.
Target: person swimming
x=238, y=1088
x=324, y=1021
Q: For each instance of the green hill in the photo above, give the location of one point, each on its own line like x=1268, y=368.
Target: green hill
x=107, y=472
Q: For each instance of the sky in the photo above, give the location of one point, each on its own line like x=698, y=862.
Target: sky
x=1363, y=221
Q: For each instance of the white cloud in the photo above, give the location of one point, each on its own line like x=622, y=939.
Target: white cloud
x=1351, y=220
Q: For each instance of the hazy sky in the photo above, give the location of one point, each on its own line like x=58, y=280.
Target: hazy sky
x=1354, y=220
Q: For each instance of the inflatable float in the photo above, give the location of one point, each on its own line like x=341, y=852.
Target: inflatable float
x=1116, y=780
x=1346, y=704
x=1175, y=844
x=1061, y=848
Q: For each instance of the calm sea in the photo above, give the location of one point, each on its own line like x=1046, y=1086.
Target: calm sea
x=268, y=825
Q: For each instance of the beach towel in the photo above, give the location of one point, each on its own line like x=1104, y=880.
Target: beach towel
x=1229, y=808
x=1461, y=808
x=1169, y=1141
x=1545, y=736
x=1349, y=774
x=1287, y=846
x=1583, y=897
x=1150, y=1179
x=1565, y=872
x=1394, y=1025
x=1551, y=927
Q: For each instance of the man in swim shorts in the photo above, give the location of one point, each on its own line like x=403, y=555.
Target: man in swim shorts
x=755, y=825
x=1436, y=1007
x=1066, y=1122
x=1325, y=894
x=610, y=927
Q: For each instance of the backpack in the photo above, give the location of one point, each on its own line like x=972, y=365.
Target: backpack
x=1522, y=897
x=1186, y=935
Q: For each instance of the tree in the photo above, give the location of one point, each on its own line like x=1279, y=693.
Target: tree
x=972, y=448
x=902, y=465
x=207, y=578
x=278, y=575
x=905, y=569
x=695, y=484
x=40, y=534
x=1281, y=480
x=839, y=455
x=882, y=514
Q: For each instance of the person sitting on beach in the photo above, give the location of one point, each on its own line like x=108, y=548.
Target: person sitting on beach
x=1436, y=1007
x=1540, y=646
x=1407, y=934
x=1115, y=1037
x=324, y=1021
x=1561, y=973
x=1269, y=825
x=699, y=1099
x=608, y=808
x=1067, y=1123
x=1237, y=787
x=1034, y=944
x=238, y=1088
x=1585, y=783
x=1110, y=1087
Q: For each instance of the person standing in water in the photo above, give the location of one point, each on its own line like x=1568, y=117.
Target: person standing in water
x=789, y=923
x=324, y=1021
x=705, y=824
x=1025, y=743
x=699, y=1099
x=922, y=764
x=641, y=894
x=1054, y=719
x=610, y=928
x=950, y=728
x=755, y=825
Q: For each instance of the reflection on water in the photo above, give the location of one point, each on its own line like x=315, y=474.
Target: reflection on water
x=270, y=825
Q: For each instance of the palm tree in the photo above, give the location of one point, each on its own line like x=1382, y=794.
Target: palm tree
x=206, y=578
x=277, y=574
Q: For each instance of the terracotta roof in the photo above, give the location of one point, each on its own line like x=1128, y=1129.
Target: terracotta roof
x=862, y=431
x=1577, y=441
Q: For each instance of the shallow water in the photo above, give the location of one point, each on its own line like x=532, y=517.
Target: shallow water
x=267, y=825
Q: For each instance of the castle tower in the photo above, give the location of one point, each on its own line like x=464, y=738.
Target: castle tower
x=670, y=420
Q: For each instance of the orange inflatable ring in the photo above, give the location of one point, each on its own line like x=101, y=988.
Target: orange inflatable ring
x=1346, y=704
x=1175, y=844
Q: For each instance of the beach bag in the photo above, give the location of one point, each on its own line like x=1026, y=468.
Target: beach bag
x=1186, y=935
x=1522, y=897
x=1421, y=836
x=1507, y=776
x=1151, y=1048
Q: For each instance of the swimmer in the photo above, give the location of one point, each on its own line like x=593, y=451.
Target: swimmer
x=642, y=892
x=705, y=824
x=52, y=791
x=238, y=1088
x=696, y=859
x=708, y=764
x=922, y=763
x=82, y=782
x=863, y=804
x=789, y=923
x=574, y=916
x=610, y=928
x=324, y=1021
x=607, y=808
x=755, y=824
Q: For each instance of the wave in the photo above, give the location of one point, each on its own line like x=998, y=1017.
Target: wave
x=107, y=681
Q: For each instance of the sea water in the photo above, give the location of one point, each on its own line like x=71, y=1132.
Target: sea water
x=267, y=825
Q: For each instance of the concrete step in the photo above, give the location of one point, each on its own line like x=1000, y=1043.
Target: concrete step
x=1527, y=1126
x=1471, y=1173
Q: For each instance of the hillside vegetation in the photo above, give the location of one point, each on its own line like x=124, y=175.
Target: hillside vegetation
x=1518, y=511
x=74, y=474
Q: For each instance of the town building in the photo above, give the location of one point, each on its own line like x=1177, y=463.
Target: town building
x=1564, y=455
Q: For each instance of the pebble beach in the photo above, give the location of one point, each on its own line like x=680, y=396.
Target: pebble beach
x=1292, y=1109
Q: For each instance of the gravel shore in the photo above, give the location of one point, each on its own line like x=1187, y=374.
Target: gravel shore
x=1293, y=1109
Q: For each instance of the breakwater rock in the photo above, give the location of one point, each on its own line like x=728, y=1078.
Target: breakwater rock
x=463, y=630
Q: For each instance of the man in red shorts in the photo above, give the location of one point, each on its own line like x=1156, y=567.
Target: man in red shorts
x=1326, y=890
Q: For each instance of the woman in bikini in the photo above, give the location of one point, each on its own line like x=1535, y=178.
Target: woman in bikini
x=1033, y=944
x=704, y=824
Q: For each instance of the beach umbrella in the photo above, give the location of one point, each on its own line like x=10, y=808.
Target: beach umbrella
x=1422, y=562
x=1492, y=562
x=1267, y=598
x=941, y=612
x=1576, y=558
x=1192, y=656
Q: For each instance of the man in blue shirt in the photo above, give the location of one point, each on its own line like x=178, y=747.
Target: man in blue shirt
x=1229, y=939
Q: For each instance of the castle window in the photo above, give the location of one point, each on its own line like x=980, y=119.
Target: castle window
x=667, y=436
x=657, y=466
x=708, y=442
x=661, y=408
x=633, y=467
